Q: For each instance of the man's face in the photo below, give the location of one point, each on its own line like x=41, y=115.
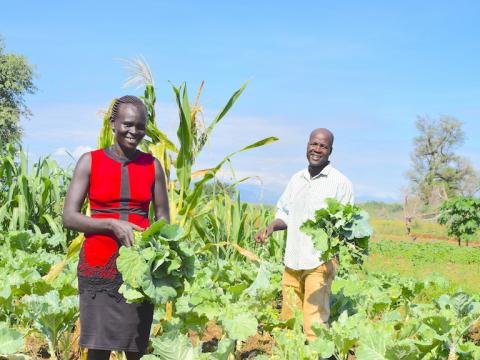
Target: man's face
x=319, y=149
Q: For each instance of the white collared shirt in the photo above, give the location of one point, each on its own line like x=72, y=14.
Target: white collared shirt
x=298, y=203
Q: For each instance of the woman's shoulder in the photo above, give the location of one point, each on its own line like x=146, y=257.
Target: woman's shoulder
x=92, y=156
x=83, y=164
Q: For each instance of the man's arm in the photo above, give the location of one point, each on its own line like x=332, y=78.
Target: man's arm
x=275, y=225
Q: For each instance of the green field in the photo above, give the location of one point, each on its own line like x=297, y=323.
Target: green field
x=393, y=251
x=216, y=291
x=461, y=266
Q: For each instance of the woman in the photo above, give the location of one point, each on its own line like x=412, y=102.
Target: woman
x=121, y=182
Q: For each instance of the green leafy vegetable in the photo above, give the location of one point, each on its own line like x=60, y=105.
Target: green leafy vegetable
x=11, y=340
x=155, y=267
x=52, y=315
x=339, y=227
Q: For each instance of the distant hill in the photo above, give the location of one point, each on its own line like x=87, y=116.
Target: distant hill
x=377, y=209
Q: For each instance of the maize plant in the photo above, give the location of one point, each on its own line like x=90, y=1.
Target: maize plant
x=184, y=194
x=31, y=198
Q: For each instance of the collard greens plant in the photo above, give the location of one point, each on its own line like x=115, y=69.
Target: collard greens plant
x=156, y=267
x=339, y=229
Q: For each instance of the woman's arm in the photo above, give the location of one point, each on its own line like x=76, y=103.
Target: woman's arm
x=75, y=220
x=160, y=195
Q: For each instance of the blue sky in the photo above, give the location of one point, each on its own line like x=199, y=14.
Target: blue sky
x=365, y=70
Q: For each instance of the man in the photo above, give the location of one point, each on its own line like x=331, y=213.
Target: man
x=307, y=281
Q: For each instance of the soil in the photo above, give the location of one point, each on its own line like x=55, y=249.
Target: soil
x=210, y=337
x=193, y=337
x=474, y=332
x=256, y=345
x=212, y=331
x=36, y=347
x=249, y=349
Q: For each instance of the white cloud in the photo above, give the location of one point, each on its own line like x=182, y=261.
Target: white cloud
x=60, y=152
x=80, y=150
x=69, y=130
x=66, y=156
x=65, y=122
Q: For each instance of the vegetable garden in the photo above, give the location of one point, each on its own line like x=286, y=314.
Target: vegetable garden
x=217, y=293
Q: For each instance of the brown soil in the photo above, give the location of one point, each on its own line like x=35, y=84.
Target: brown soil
x=193, y=337
x=212, y=331
x=474, y=332
x=256, y=345
x=36, y=346
x=210, y=337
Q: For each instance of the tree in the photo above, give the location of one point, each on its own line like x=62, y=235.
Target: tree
x=16, y=80
x=461, y=215
x=437, y=172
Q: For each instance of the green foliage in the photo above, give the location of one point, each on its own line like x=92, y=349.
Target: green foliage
x=290, y=344
x=378, y=320
x=25, y=258
x=373, y=315
x=16, y=80
x=172, y=346
x=187, y=196
x=52, y=315
x=11, y=341
x=224, y=294
x=438, y=252
x=31, y=198
x=461, y=215
x=157, y=265
x=339, y=227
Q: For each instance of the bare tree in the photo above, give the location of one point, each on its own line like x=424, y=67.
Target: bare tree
x=437, y=171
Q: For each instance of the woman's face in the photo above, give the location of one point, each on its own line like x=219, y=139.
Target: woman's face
x=129, y=126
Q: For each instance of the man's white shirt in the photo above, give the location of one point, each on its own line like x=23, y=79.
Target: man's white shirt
x=298, y=203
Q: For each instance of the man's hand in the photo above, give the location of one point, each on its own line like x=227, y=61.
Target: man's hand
x=275, y=225
x=262, y=235
x=123, y=231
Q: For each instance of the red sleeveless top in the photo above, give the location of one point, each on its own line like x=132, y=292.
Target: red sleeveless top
x=118, y=189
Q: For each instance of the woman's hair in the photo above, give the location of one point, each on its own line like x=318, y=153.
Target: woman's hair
x=127, y=99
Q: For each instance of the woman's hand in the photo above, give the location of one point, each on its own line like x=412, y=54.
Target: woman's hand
x=123, y=231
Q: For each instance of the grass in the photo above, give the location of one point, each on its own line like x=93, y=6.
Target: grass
x=459, y=265
x=387, y=227
x=394, y=229
x=393, y=251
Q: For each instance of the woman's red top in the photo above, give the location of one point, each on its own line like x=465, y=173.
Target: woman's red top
x=118, y=189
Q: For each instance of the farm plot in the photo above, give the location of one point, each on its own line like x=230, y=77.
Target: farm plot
x=228, y=306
